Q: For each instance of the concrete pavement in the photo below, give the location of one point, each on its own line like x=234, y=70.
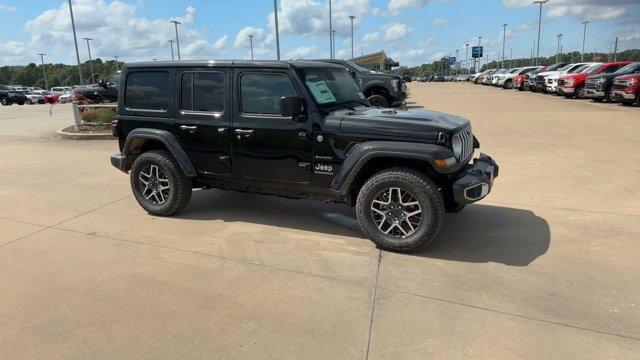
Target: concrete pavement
x=546, y=267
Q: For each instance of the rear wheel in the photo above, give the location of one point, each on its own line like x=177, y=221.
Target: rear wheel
x=400, y=210
x=4, y=102
x=508, y=84
x=579, y=93
x=158, y=183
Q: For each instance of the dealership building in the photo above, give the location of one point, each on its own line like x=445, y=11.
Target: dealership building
x=378, y=61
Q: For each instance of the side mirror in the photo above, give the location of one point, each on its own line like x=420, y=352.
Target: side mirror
x=103, y=84
x=292, y=107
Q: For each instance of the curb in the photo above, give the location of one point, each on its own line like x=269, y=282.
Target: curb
x=62, y=134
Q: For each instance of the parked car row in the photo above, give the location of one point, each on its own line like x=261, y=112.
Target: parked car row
x=611, y=81
x=17, y=94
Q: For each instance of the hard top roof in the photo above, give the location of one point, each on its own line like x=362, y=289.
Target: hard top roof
x=274, y=64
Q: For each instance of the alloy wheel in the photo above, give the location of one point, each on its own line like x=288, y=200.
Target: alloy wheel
x=154, y=184
x=396, y=212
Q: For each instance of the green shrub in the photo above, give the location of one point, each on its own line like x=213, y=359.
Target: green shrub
x=99, y=115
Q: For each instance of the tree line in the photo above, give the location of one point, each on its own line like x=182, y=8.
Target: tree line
x=57, y=74
x=440, y=66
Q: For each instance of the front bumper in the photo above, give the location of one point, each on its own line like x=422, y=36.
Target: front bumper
x=621, y=95
x=119, y=162
x=593, y=93
x=476, y=181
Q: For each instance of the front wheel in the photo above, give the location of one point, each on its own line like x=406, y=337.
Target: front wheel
x=159, y=184
x=378, y=100
x=400, y=210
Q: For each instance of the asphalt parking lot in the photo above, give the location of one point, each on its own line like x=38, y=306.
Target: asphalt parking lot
x=546, y=267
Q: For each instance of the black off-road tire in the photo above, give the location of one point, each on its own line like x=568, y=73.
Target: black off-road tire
x=180, y=184
x=378, y=100
x=426, y=193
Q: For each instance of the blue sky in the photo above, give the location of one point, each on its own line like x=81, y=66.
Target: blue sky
x=411, y=31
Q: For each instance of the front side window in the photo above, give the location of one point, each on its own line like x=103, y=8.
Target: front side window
x=629, y=69
x=611, y=69
x=147, y=90
x=202, y=91
x=261, y=93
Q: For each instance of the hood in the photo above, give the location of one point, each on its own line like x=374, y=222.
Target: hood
x=628, y=77
x=380, y=76
x=385, y=123
x=547, y=73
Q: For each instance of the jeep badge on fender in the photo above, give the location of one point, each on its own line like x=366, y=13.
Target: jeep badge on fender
x=245, y=125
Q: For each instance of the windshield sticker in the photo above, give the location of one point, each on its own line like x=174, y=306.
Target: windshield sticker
x=321, y=91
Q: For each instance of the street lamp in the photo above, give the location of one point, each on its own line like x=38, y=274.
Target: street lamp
x=333, y=42
x=558, y=51
x=172, y=56
x=477, y=69
x=275, y=15
x=75, y=41
x=584, y=37
x=540, y=2
x=93, y=79
x=176, y=23
x=44, y=72
x=504, y=38
x=330, y=33
x=351, y=17
x=466, y=58
x=251, y=44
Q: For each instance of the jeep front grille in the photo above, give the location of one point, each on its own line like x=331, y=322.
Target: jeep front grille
x=466, y=138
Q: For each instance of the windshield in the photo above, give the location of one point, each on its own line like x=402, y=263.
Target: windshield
x=332, y=88
x=629, y=68
x=591, y=69
x=577, y=69
x=358, y=67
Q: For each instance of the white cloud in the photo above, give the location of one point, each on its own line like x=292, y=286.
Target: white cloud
x=242, y=39
x=395, y=31
x=221, y=43
x=301, y=52
x=371, y=37
x=438, y=23
x=117, y=30
x=311, y=18
x=7, y=8
x=396, y=6
x=583, y=9
x=431, y=40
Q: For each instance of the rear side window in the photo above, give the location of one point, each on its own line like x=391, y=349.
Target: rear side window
x=261, y=93
x=147, y=90
x=202, y=91
x=612, y=69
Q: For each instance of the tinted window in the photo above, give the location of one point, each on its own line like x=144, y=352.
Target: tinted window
x=631, y=68
x=261, y=93
x=147, y=90
x=202, y=92
x=612, y=69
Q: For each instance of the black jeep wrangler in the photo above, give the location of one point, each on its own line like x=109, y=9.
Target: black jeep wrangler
x=296, y=129
x=382, y=90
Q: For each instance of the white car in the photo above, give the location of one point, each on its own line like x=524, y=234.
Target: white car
x=33, y=98
x=65, y=98
x=551, y=80
x=506, y=80
x=60, y=89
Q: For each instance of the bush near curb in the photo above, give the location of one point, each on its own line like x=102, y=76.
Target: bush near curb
x=99, y=115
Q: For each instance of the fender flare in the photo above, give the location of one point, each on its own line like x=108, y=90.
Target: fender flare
x=169, y=141
x=364, y=152
x=375, y=84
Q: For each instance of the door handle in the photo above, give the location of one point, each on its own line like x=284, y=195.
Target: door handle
x=303, y=135
x=244, y=133
x=189, y=128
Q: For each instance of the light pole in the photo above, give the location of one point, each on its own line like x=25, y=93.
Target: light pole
x=330, y=33
x=44, y=72
x=615, y=50
x=584, y=38
x=558, y=55
x=477, y=66
x=504, y=38
x=176, y=23
x=457, y=60
x=75, y=41
x=275, y=15
x=93, y=79
x=251, y=45
x=466, y=58
x=115, y=57
x=173, y=58
x=333, y=42
x=511, y=59
x=540, y=2
x=351, y=17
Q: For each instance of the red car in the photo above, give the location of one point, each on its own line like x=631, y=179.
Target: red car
x=626, y=89
x=572, y=85
x=49, y=97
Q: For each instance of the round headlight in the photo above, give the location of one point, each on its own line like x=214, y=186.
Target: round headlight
x=456, y=144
